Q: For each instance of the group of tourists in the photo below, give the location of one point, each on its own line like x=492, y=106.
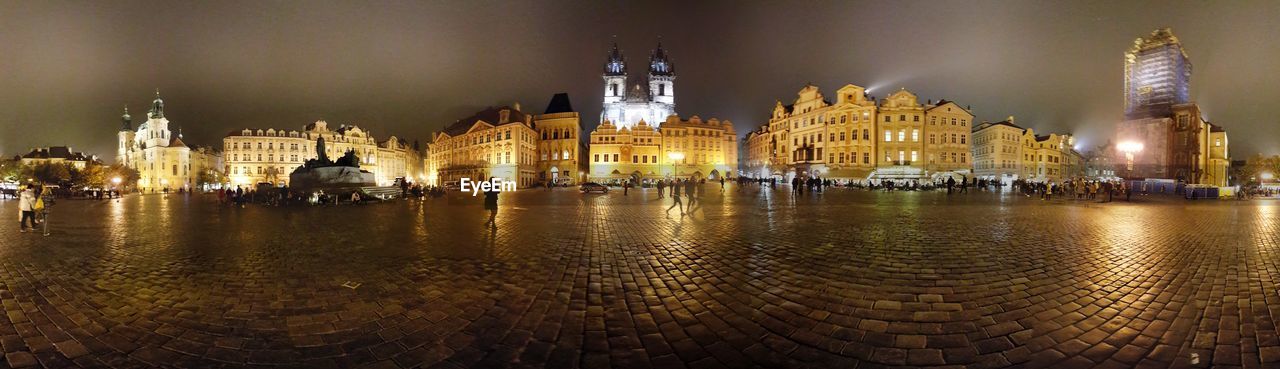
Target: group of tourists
x=693, y=190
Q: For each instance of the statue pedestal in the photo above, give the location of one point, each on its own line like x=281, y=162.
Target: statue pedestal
x=330, y=179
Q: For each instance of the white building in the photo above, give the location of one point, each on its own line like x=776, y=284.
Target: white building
x=270, y=155
x=652, y=102
x=162, y=160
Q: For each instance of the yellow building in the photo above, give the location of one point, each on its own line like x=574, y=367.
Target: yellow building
x=269, y=155
x=690, y=148
x=1005, y=152
x=857, y=139
x=1046, y=158
x=496, y=142
x=559, y=146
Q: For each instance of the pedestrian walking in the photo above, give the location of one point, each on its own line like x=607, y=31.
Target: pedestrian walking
x=491, y=204
x=662, y=185
x=26, y=209
x=675, y=198
x=689, y=192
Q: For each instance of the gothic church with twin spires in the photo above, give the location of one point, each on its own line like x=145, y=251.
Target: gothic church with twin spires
x=627, y=102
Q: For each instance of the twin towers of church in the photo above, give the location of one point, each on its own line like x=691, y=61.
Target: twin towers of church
x=627, y=102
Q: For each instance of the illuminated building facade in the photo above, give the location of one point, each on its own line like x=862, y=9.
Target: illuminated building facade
x=690, y=148
x=651, y=100
x=495, y=142
x=857, y=139
x=1006, y=152
x=560, y=146
x=163, y=161
x=1175, y=140
x=269, y=155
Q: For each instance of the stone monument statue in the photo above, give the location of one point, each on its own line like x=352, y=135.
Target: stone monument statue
x=321, y=173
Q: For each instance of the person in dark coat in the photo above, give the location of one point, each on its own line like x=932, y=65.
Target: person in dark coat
x=491, y=204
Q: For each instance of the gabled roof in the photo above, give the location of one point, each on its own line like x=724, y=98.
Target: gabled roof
x=55, y=152
x=491, y=115
x=945, y=102
x=1006, y=123
x=559, y=104
x=177, y=142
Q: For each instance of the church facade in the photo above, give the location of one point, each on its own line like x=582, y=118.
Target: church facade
x=163, y=161
x=640, y=137
x=651, y=100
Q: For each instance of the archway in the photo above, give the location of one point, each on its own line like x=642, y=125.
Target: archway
x=555, y=175
x=715, y=174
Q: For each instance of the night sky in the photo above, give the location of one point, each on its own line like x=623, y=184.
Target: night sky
x=68, y=68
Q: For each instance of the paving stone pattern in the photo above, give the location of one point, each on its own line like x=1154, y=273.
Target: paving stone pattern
x=841, y=279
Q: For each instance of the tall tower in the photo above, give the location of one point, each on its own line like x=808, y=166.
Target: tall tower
x=662, y=77
x=615, y=76
x=157, y=130
x=1157, y=75
x=124, y=138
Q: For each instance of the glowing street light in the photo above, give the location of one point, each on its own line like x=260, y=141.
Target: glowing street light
x=675, y=157
x=1129, y=148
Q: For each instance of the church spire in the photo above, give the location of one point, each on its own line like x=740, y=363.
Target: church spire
x=615, y=64
x=659, y=62
x=157, y=107
x=126, y=121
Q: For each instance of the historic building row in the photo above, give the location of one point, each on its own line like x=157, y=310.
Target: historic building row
x=639, y=137
x=860, y=138
x=1006, y=152
x=269, y=155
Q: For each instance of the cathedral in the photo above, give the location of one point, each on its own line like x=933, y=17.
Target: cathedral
x=652, y=100
x=163, y=161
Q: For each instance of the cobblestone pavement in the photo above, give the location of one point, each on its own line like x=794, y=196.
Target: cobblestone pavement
x=841, y=279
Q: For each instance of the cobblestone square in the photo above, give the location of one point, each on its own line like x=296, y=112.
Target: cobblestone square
x=840, y=279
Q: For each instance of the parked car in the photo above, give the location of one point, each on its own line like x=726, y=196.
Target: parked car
x=594, y=187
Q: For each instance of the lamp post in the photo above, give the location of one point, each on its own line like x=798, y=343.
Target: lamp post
x=675, y=157
x=1129, y=148
x=115, y=184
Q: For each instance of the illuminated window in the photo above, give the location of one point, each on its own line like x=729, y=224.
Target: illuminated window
x=888, y=136
x=915, y=136
x=902, y=135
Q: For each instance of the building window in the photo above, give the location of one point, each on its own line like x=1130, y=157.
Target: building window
x=902, y=135
x=615, y=158
x=915, y=135
x=596, y=158
x=888, y=136
x=914, y=156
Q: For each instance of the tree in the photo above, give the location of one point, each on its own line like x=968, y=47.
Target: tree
x=128, y=176
x=210, y=177
x=10, y=170
x=49, y=173
x=1257, y=166
x=93, y=175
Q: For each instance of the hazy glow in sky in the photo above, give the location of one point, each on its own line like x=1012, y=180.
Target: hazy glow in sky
x=68, y=68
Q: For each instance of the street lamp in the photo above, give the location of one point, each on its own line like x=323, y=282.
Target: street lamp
x=675, y=157
x=1129, y=148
